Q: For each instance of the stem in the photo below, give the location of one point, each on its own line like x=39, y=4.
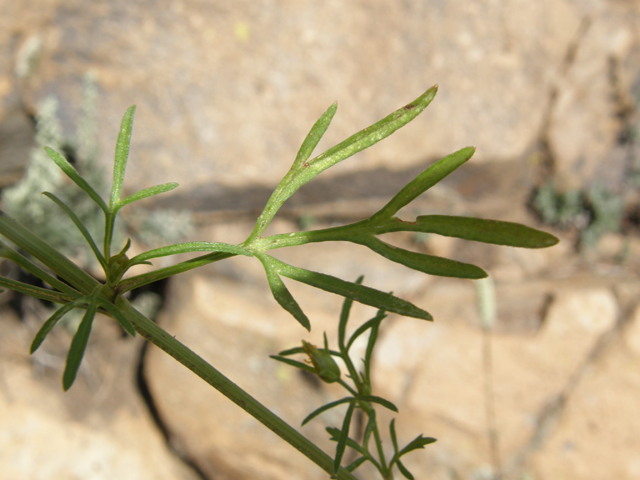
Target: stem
x=347, y=387
x=217, y=380
x=166, y=272
x=332, y=234
x=109, y=225
x=384, y=469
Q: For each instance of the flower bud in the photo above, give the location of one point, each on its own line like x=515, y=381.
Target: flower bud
x=326, y=367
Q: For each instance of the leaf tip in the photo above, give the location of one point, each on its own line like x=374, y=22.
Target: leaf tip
x=67, y=381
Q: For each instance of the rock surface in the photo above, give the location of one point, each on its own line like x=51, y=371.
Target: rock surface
x=232, y=90
x=99, y=430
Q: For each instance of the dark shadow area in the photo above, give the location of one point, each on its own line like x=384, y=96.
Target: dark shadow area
x=472, y=182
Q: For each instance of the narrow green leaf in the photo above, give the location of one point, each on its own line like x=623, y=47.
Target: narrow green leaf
x=300, y=350
x=359, y=293
x=29, y=266
x=36, y=292
x=368, y=431
x=344, y=436
x=138, y=281
x=118, y=316
x=78, y=345
x=365, y=326
x=187, y=248
x=354, y=465
x=378, y=400
x=427, y=179
x=121, y=156
x=281, y=292
x=416, y=444
x=371, y=342
x=394, y=437
x=324, y=408
x=294, y=363
x=314, y=136
x=51, y=322
x=46, y=254
x=292, y=351
x=403, y=470
x=146, y=193
x=482, y=230
x=374, y=133
x=430, y=264
x=83, y=230
x=335, y=435
x=73, y=174
x=344, y=317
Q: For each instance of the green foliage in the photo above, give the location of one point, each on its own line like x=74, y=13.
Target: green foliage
x=80, y=291
x=360, y=397
x=45, y=217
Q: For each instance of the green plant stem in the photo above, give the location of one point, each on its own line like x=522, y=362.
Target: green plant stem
x=384, y=469
x=166, y=272
x=156, y=335
x=109, y=227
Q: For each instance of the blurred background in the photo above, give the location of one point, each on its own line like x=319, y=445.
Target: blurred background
x=548, y=92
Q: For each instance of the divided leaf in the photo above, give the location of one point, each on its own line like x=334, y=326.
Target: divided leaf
x=363, y=139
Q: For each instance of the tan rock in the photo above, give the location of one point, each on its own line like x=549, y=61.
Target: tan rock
x=580, y=314
x=584, y=124
x=100, y=429
x=236, y=106
x=597, y=436
x=632, y=333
